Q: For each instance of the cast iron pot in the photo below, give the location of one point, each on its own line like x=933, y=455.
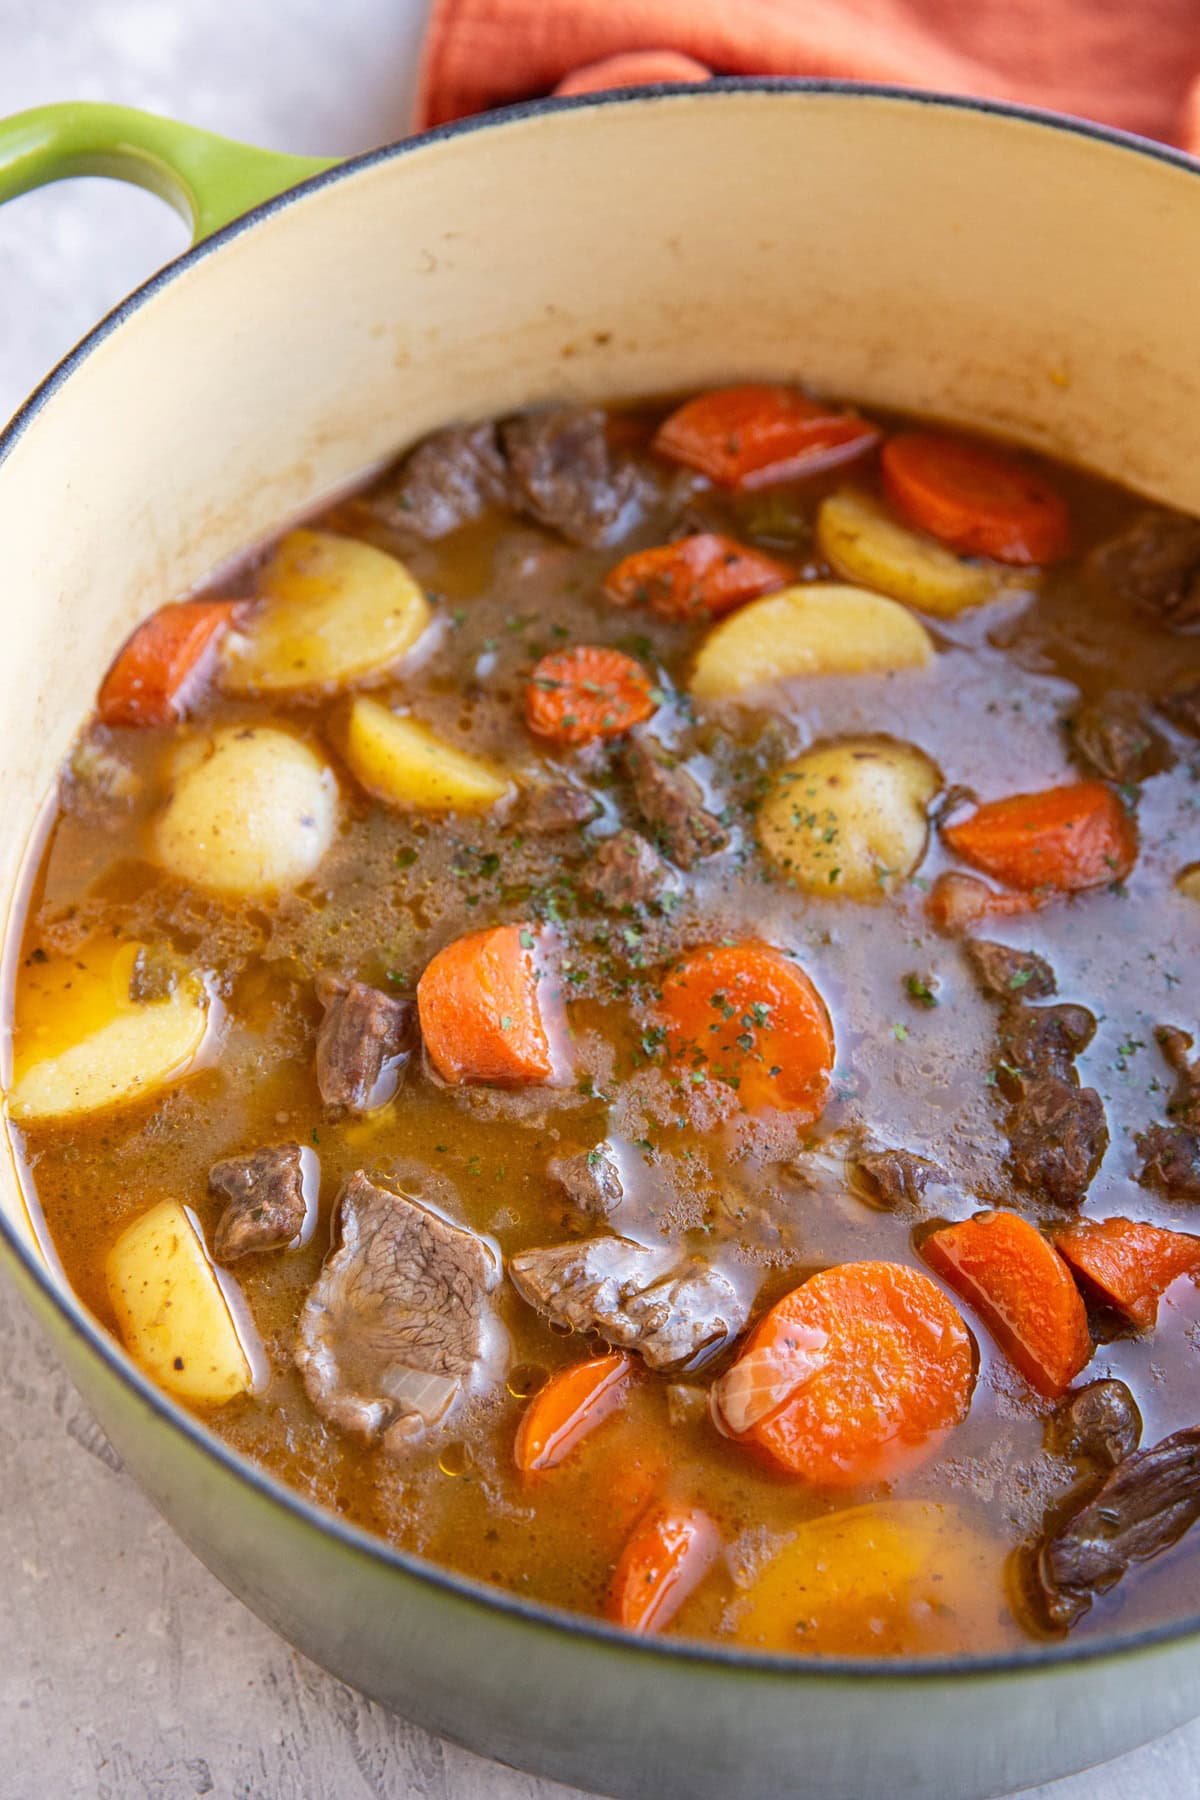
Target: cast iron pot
x=1002, y=269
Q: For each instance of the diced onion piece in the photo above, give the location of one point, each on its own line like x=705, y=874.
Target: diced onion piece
x=863, y=542
x=822, y=628
x=335, y=610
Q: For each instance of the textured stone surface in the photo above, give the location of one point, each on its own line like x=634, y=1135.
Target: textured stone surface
x=126, y=1671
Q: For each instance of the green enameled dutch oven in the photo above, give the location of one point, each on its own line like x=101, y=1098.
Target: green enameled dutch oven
x=999, y=268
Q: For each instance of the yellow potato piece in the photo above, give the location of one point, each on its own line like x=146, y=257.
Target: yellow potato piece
x=899, y=1577
x=861, y=540
x=405, y=764
x=172, y=1310
x=335, y=611
x=81, y=1043
x=1188, y=882
x=848, y=820
x=819, y=629
x=252, y=810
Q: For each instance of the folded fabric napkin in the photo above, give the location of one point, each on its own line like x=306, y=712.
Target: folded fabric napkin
x=1136, y=65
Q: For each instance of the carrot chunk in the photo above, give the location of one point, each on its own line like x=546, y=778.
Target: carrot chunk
x=975, y=499
x=588, y=692
x=1132, y=1264
x=569, y=1407
x=745, y=1015
x=697, y=577
x=146, y=683
x=1062, y=839
x=748, y=436
x=664, y=1562
x=1023, y=1291
x=958, y=902
x=478, y=1005
x=855, y=1376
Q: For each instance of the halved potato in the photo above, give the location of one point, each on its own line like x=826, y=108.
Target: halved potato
x=172, y=1310
x=252, y=810
x=822, y=628
x=82, y=1042
x=861, y=540
x=404, y=763
x=335, y=611
x=848, y=819
x=890, y=1577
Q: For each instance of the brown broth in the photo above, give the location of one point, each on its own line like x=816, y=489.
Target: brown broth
x=394, y=889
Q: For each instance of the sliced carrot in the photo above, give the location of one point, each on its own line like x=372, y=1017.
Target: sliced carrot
x=1132, y=1264
x=855, y=1376
x=697, y=577
x=569, y=1407
x=588, y=692
x=958, y=902
x=478, y=1006
x=746, y=1016
x=664, y=1562
x=146, y=683
x=1023, y=1291
x=1062, y=839
x=975, y=499
x=747, y=436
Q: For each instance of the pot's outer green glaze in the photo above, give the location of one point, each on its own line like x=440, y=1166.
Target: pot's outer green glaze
x=969, y=261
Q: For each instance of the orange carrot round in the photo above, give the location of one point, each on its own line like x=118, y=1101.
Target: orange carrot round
x=975, y=499
x=853, y=1377
x=1062, y=839
x=697, y=577
x=570, y=1406
x=748, y=1017
x=664, y=1562
x=1131, y=1264
x=478, y=1006
x=1022, y=1289
x=588, y=692
x=747, y=436
x=148, y=678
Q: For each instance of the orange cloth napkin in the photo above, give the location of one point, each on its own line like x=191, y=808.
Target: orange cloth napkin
x=1132, y=63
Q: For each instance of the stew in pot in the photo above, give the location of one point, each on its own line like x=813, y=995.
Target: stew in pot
x=617, y=1009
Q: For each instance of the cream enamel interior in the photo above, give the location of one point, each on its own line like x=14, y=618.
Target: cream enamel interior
x=975, y=266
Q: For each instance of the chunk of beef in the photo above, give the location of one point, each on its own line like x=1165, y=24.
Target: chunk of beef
x=1004, y=973
x=1100, y=1423
x=363, y=1043
x=897, y=1177
x=1182, y=706
x=639, y=1299
x=1058, y=1135
x=397, y=1321
x=1043, y=1040
x=1155, y=565
x=624, y=870
x=562, y=473
x=671, y=801
x=1145, y=1505
x=445, y=482
x=559, y=806
x=1113, y=738
x=97, y=782
x=591, y=1180
x=271, y=1194
x=1171, y=1152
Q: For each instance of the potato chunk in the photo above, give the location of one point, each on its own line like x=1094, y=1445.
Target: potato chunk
x=862, y=541
x=887, y=1578
x=405, y=764
x=82, y=1042
x=172, y=1309
x=848, y=819
x=335, y=611
x=253, y=810
x=822, y=628
x=1188, y=881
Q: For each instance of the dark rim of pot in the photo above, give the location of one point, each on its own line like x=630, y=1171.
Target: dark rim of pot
x=716, y=1657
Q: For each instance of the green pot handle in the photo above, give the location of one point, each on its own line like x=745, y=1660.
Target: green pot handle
x=209, y=179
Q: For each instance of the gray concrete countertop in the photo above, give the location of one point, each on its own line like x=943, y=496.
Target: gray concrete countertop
x=126, y=1671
